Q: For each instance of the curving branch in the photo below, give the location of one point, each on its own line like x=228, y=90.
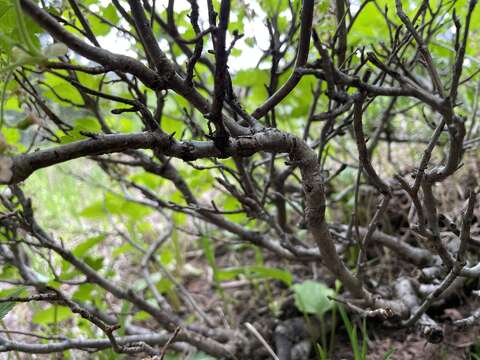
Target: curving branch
x=298, y=193
x=302, y=56
x=270, y=140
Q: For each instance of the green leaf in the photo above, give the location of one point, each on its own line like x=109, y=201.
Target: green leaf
x=122, y=124
x=110, y=13
x=94, y=211
x=12, y=136
x=165, y=286
x=311, y=297
x=253, y=77
x=9, y=273
x=81, y=249
x=202, y=356
x=10, y=32
x=167, y=257
x=87, y=124
x=95, y=263
x=71, y=137
x=84, y=292
x=99, y=28
x=7, y=16
x=141, y=315
x=352, y=333
x=52, y=314
x=321, y=352
x=25, y=36
x=69, y=274
x=150, y=180
x=255, y=272
x=122, y=249
x=210, y=256
x=274, y=6
x=61, y=87
x=115, y=205
x=6, y=307
x=170, y=125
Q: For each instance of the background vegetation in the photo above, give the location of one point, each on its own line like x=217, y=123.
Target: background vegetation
x=251, y=179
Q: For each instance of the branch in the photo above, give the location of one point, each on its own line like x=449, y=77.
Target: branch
x=458, y=66
x=374, y=90
x=363, y=154
x=16, y=169
x=422, y=47
x=220, y=80
x=163, y=65
x=87, y=344
x=101, y=56
x=270, y=140
x=123, y=63
x=341, y=31
x=36, y=297
x=302, y=56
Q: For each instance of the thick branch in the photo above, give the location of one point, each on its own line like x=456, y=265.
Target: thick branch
x=220, y=82
x=271, y=140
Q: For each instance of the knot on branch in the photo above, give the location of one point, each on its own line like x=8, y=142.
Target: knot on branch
x=221, y=140
x=433, y=334
x=247, y=145
x=315, y=215
x=220, y=137
x=162, y=81
x=187, y=152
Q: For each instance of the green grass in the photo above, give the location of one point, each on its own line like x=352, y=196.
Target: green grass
x=59, y=197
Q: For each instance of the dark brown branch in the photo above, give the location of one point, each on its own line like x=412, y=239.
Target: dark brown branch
x=363, y=153
x=458, y=66
x=163, y=65
x=302, y=56
x=220, y=81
